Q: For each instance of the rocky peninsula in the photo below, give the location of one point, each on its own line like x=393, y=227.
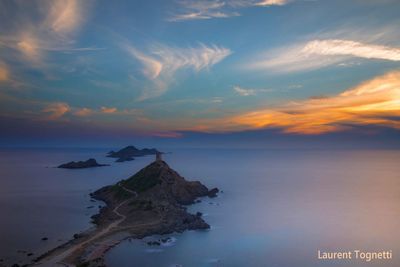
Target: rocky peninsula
x=90, y=163
x=150, y=202
x=130, y=152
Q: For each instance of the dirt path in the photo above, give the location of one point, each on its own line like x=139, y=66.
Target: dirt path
x=57, y=260
x=128, y=190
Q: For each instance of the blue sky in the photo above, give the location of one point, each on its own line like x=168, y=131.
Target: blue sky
x=161, y=68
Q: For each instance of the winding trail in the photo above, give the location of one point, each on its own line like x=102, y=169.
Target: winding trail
x=58, y=259
x=128, y=190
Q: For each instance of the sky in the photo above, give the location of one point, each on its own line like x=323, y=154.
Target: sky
x=181, y=69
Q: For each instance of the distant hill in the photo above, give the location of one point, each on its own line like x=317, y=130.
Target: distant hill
x=90, y=163
x=130, y=152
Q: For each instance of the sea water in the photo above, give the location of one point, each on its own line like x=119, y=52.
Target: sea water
x=38, y=200
x=278, y=207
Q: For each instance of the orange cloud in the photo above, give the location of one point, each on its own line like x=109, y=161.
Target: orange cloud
x=56, y=110
x=64, y=16
x=4, y=73
x=108, y=110
x=54, y=31
x=30, y=48
x=83, y=112
x=374, y=102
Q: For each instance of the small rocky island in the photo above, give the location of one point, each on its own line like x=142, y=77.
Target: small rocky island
x=128, y=153
x=150, y=202
x=90, y=163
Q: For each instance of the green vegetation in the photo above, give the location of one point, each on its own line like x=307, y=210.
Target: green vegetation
x=119, y=192
x=144, y=179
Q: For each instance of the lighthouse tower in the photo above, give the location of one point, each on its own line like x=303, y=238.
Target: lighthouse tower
x=158, y=156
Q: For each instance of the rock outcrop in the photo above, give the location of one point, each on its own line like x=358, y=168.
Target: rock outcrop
x=130, y=152
x=156, y=193
x=151, y=202
x=90, y=163
x=213, y=192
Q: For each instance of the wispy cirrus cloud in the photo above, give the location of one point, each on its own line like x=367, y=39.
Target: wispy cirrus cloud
x=30, y=48
x=161, y=63
x=352, y=48
x=322, y=53
x=210, y=9
x=195, y=10
x=151, y=66
x=271, y=3
x=373, y=102
x=64, y=16
x=53, y=29
x=249, y=91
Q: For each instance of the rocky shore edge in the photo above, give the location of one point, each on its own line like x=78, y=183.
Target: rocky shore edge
x=151, y=202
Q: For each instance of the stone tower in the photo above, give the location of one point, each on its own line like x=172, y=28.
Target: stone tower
x=158, y=156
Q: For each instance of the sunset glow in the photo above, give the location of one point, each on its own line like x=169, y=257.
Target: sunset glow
x=170, y=67
x=374, y=102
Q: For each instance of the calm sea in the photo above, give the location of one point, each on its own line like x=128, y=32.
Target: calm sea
x=278, y=208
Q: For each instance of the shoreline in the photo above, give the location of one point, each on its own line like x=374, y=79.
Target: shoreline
x=91, y=248
x=156, y=209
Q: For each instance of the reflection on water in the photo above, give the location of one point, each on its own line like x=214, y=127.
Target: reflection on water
x=278, y=207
